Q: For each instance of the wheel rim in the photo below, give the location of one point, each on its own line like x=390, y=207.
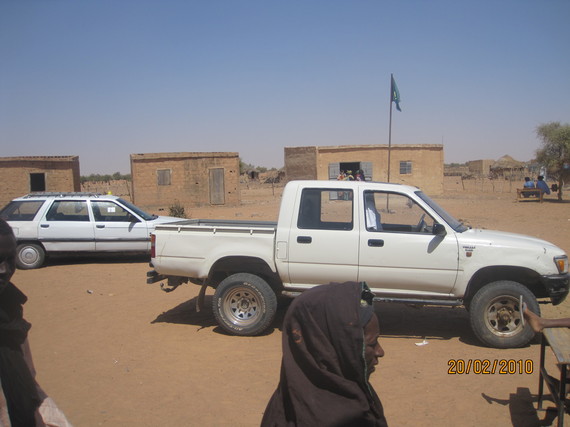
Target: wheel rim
x=242, y=306
x=29, y=255
x=503, y=316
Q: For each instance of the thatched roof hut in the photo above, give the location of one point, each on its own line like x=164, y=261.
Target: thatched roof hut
x=507, y=166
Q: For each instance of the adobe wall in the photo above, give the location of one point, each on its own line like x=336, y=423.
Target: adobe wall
x=300, y=163
x=190, y=179
x=117, y=187
x=427, y=162
x=61, y=174
x=480, y=167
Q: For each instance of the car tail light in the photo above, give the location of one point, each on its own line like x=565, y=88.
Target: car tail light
x=152, y=246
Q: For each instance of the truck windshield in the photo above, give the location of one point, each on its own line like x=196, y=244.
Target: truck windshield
x=138, y=211
x=452, y=222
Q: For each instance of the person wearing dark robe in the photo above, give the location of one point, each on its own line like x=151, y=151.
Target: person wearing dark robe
x=22, y=401
x=330, y=348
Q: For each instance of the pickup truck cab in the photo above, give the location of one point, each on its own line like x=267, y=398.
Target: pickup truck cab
x=49, y=223
x=393, y=237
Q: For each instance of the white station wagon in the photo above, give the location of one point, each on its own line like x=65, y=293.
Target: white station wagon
x=48, y=223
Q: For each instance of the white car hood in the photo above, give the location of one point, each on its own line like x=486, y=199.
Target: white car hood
x=504, y=239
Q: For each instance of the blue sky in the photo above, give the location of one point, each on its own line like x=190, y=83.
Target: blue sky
x=103, y=79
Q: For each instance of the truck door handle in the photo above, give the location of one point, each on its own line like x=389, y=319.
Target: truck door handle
x=304, y=239
x=100, y=226
x=376, y=243
x=44, y=225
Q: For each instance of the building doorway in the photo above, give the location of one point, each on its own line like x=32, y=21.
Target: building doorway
x=37, y=182
x=217, y=192
x=365, y=167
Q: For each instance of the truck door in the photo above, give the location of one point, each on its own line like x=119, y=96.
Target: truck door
x=399, y=252
x=323, y=244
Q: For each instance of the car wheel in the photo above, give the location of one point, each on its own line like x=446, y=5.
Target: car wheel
x=244, y=304
x=29, y=256
x=496, y=314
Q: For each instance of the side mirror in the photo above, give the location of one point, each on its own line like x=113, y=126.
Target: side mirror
x=439, y=229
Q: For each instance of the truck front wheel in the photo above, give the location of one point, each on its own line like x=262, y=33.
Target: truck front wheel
x=244, y=304
x=496, y=314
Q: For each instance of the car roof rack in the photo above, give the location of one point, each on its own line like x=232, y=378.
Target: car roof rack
x=61, y=194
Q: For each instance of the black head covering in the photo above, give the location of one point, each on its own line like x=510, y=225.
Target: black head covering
x=323, y=373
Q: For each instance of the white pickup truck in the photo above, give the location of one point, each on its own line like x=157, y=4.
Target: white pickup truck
x=394, y=237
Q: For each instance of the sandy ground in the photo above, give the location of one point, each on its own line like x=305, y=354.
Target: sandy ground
x=114, y=351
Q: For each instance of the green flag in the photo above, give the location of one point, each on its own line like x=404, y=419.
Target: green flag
x=395, y=97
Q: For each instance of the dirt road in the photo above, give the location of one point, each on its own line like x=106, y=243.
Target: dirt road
x=114, y=351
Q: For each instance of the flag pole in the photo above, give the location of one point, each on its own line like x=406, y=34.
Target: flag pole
x=390, y=126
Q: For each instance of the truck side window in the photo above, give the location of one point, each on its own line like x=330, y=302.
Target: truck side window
x=395, y=213
x=323, y=209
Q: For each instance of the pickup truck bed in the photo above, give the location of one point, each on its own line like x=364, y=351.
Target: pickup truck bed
x=224, y=224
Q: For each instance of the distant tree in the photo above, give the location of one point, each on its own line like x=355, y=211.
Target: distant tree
x=555, y=151
x=95, y=177
x=244, y=167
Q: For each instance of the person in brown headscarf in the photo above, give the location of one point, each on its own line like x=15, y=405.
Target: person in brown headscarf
x=330, y=348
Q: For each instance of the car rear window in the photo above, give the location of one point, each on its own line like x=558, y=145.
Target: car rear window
x=23, y=210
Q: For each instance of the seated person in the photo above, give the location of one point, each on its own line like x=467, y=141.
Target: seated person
x=528, y=183
x=541, y=185
x=372, y=214
x=538, y=323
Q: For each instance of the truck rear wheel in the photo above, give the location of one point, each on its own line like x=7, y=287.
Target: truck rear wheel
x=244, y=304
x=29, y=256
x=496, y=315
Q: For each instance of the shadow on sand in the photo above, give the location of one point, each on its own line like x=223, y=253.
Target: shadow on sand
x=186, y=314
x=103, y=258
x=396, y=320
x=522, y=407
x=433, y=323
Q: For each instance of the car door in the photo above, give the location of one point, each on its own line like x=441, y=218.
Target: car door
x=117, y=229
x=323, y=244
x=399, y=252
x=67, y=227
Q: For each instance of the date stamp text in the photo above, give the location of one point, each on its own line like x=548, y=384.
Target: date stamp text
x=490, y=366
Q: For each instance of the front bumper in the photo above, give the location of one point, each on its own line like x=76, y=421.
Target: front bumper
x=557, y=286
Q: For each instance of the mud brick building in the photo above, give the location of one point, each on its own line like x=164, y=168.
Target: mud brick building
x=22, y=175
x=190, y=179
x=480, y=168
x=420, y=165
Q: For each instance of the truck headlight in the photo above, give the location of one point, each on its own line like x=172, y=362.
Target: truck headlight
x=561, y=263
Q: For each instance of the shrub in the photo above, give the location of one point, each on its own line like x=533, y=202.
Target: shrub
x=177, y=210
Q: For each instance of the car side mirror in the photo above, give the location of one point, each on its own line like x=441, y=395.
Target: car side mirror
x=439, y=229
